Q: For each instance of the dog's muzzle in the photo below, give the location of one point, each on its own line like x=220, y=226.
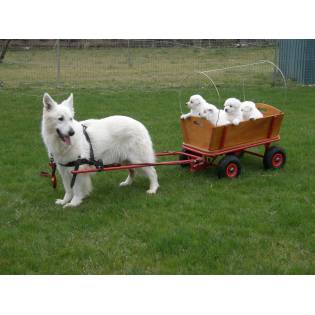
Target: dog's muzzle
x=65, y=138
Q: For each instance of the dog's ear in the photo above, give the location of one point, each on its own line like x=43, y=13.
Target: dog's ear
x=48, y=102
x=69, y=103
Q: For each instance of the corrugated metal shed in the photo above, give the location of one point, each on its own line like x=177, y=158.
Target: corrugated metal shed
x=297, y=59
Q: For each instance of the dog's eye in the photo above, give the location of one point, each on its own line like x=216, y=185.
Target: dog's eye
x=71, y=119
x=60, y=118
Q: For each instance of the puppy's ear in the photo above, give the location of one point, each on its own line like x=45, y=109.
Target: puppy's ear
x=69, y=103
x=48, y=102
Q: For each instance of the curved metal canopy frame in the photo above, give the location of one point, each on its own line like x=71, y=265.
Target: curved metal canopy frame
x=207, y=74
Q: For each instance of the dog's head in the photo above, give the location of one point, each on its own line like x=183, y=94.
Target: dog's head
x=232, y=105
x=195, y=101
x=247, y=108
x=209, y=113
x=59, y=117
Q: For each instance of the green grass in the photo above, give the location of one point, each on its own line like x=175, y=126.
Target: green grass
x=261, y=223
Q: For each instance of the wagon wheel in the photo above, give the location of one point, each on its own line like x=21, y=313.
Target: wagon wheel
x=274, y=158
x=229, y=166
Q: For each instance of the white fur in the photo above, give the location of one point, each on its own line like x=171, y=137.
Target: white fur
x=115, y=139
x=250, y=111
x=232, y=108
x=197, y=105
x=215, y=116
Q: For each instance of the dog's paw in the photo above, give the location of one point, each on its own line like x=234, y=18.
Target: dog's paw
x=152, y=191
x=74, y=202
x=60, y=202
x=236, y=122
x=68, y=205
x=71, y=205
x=125, y=183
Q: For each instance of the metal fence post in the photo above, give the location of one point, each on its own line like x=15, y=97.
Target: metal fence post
x=129, y=56
x=58, y=62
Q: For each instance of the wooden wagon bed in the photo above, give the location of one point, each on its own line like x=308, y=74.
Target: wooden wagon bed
x=201, y=135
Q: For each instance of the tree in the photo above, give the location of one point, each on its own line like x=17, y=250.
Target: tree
x=4, y=49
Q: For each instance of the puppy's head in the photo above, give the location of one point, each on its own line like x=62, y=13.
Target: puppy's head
x=246, y=111
x=209, y=113
x=195, y=101
x=247, y=108
x=59, y=117
x=232, y=105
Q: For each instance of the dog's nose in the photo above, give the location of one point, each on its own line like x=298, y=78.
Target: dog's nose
x=71, y=132
x=225, y=109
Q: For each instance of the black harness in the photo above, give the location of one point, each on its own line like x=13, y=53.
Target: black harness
x=91, y=161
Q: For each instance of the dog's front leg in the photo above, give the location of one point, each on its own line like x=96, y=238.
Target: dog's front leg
x=82, y=188
x=236, y=121
x=185, y=116
x=66, y=180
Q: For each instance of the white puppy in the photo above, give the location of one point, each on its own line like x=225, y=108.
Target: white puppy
x=250, y=111
x=197, y=105
x=215, y=116
x=232, y=108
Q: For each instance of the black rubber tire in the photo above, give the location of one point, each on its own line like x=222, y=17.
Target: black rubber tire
x=229, y=166
x=274, y=158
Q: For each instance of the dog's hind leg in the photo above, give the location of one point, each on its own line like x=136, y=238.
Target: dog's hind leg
x=150, y=172
x=129, y=179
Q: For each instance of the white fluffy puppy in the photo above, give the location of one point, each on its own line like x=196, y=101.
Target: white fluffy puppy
x=215, y=116
x=197, y=104
x=232, y=108
x=250, y=111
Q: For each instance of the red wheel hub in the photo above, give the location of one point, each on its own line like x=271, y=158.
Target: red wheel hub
x=231, y=170
x=277, y=160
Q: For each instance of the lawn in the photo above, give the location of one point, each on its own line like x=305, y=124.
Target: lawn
x=260, y=223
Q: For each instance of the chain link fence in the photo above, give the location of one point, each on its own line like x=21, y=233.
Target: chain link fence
x=121, y=64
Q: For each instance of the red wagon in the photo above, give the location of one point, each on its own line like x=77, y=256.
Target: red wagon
x=209, y=142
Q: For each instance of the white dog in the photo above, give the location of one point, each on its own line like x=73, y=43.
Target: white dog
x=197, y=105
x=232, y=107
x=250, y=111
x=115, y=139
x=215, y=116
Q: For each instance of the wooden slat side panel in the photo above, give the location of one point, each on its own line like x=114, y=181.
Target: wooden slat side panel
x=197, y=132
x=277, y=125
x=245, y=132
x=268, y=110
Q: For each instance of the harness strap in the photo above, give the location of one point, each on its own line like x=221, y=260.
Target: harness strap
x=76, y=164
x=89, y=141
